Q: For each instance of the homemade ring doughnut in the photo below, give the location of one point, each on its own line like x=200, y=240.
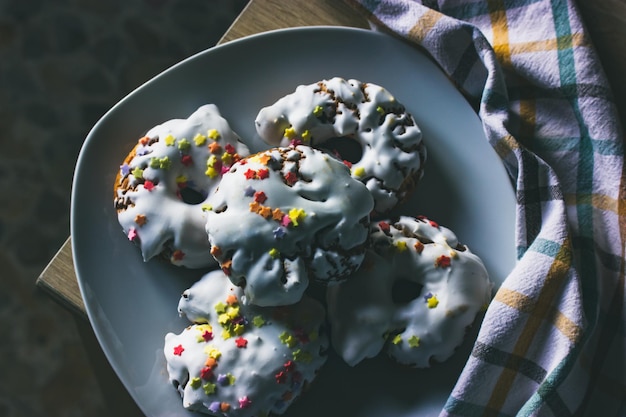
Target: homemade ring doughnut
x=393, y=153
x=239, y=360
x=161, y=188
x=285, y=215
x=415, y=295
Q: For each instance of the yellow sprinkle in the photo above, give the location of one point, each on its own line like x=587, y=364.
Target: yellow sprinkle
x=212, y=352
x=296, y=215
x=232, y=312
x=211, y=172
x=318, y=111
x=181, y=179
x=306, y=136
x=223, y=318
x=220, y=308
x=239, y=329
x=227, y=158
x=401, y=246
x=380, y=110
x=195, y=383
x=226, y=334
x=414, y=341
x=258, y=321
x=213, y=134
x=358, y=171
x=274, y=253
x=397, y=339
x=290, y=133
x=183, y=144
x=206, y=207
x=199, y=139
x=169, y=140
x=432, y=302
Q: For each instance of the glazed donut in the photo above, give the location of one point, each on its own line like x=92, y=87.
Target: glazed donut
x=161, y=187
x=284, y=215
x=393, y=153
x=238, y=360
x=415, y=295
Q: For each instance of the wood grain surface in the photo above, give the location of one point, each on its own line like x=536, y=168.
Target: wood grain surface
x=605, y=20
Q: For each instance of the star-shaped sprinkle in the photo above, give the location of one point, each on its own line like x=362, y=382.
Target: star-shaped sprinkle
x=290, y=133
x=230, y=149
x=209, y=388
x=263, y=173
x=281, y=377
x=206, y=373
x=279, y=232
x=245, y=402
x=169, y=140
x=211, y=172
x=231, y=299
x=296, y=215
x=148, y=185
x=220, y=308
x=207, y=336
x=249, y=191
x=141, y=150
x=210, y=362
x=213, y=352
x=178, y=350
x=141, y=219
x=277, y=214
x=265, y=211
x=195, y=382
x=274, y=253
x=260, y=197
x=432, y=301
x=199, y=139
x=300, y=355
x=258, y=321
x=414, y=341
x=250, y=174
x=154, y=163
x=213, y=134
x=443, y=261
x=215, y=148
x=184, y=144
x=214, y=407
x=291, y=178
x=397, y=339
x=124, y=170
x=186, y=160
x=165, y=163
x=419, y=247
x=306, y=136
x=144, y=140
x=240, y=342
x=206, y=207
x=224, y=407
x=137, y=173
x=132, y=234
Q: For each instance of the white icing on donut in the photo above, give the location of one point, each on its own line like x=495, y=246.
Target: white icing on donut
x=284, y=215
x=179, y=153
x=262, y=357
x=365, y=318
x=393, y=151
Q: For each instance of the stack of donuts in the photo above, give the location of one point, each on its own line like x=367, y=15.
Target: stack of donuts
x=302, y=213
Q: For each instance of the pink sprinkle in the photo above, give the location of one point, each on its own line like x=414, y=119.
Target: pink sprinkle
x=244, y=402
x=286, y=221
x=132, y=234
x=148, y=185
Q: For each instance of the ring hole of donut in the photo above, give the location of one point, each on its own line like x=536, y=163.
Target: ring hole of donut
x=344, y=148
x=404, y=291
x=191, y=196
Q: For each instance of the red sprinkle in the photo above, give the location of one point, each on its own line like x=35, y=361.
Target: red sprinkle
x=443, y=261
x=260, y=197
x=241, y=342
x=291, y=178
x=178, y=350
x=148, y=185
x=384, y=226
x=263, y=173
x=250, y=174
x=186, y=160
x=229, y=148
x=206, y=373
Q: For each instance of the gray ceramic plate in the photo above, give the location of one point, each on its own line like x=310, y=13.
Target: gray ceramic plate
x=132, y=304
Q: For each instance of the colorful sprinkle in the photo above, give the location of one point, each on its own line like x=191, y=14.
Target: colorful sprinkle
x=296, y=216
x=414, y=341
x=240, y=342
x=206, y=207
x=279, y=232
x=384, y=226
x=290, y=133
x=169, y=140
x=274, y=253
x=165, y=163
x=199, y=139
x=144, y=140
x=400, y=246
x=132, y=234
x=250, y=174
x=358, y=172
x=291, y=178
x=258, y=321
x=137, y=173
x=432, y=301
x=124, y=170
x=318, y=111
x=442, y=261
x=213, y=134
x=230, y=149
x=178, y=350
x=209, y=388
x=178, y=255
x=419, y=247
x=214, y=406
x=186, y=160
x=306, y=136
x=184, y=144
x=148, y=185
x=206, y=373
x=397, y=339
x=195, y=382
x=260, y=197
x=245, y=402
x=263, y=173
x=141, y=219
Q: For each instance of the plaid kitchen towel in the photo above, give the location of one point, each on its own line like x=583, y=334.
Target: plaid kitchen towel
x=553, y=340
